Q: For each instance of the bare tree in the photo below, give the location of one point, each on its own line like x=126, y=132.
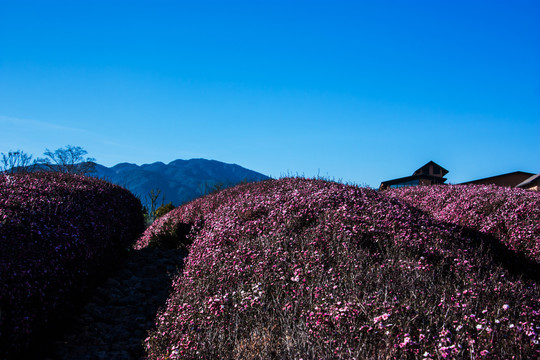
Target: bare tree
x=16, y=162
x=152, y=198
x=70, y=159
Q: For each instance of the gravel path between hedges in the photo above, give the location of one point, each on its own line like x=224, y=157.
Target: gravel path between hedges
x=114, y=322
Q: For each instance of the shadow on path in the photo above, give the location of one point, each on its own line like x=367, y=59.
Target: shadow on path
x=114, y=321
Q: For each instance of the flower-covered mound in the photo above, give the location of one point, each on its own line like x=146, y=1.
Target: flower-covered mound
x=511, y=215
x=56, y=232
x=296, y=268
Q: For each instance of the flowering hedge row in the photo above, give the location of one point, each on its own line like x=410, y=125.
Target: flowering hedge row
x=56, y=230
x=511, y=215
x=297, y=268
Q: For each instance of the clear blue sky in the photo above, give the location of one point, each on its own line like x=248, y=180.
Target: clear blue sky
x=361, y=91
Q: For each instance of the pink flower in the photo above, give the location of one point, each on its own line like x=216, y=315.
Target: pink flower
x=405, y=342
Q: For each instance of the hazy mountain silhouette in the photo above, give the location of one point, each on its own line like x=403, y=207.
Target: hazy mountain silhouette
x=179, y=181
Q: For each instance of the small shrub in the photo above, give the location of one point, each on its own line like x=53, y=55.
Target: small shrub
x=163, y=209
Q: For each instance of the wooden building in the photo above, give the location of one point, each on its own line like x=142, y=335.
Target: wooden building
x=532, y=183
x=429, y=174
x=510, y=179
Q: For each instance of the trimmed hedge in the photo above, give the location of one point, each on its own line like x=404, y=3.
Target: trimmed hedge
x=509, y=214
x=298, y=268
x=56, y=232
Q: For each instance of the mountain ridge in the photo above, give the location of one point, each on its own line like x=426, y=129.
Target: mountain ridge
x=179, y=181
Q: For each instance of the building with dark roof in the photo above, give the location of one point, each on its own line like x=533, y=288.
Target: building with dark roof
x=429, y=174
x=510, y=179
x=532, y=183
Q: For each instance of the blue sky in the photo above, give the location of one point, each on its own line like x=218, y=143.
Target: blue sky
x=358, y=91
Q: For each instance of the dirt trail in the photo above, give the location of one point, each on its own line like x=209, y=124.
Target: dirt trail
x=114, y=321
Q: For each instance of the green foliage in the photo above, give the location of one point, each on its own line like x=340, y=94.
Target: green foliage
x=163, y=209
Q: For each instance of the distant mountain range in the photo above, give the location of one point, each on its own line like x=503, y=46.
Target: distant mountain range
x=179, y=181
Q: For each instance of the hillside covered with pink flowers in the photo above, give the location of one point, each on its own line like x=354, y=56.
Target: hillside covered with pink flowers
x=310, y=269
x=510, y=215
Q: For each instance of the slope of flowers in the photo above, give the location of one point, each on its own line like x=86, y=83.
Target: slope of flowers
x=509, y=214
x=56, y=230
x=309, y=269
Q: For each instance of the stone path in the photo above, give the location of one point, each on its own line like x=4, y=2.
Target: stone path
x=114, y=322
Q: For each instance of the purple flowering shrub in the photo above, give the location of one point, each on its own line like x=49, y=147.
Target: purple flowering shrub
x=191, y=214
x=56, y=231
x=298, y=268
x=509, y=214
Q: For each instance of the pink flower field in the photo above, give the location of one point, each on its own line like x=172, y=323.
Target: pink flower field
x=310, y=269
x=509, y=214
x=56, y=232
